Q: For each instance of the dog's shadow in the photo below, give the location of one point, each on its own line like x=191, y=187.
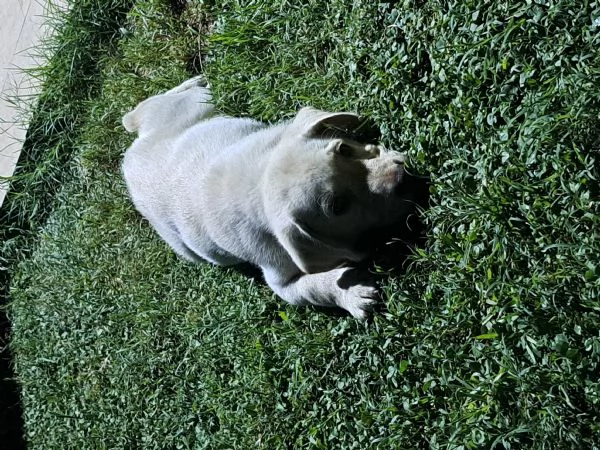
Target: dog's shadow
x=390, y=246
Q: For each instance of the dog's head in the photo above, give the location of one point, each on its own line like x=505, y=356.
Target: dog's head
x=323, y=190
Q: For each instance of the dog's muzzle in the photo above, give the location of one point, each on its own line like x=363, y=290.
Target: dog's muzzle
x=385, y=177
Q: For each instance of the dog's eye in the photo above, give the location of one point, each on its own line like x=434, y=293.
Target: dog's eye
x=345, y=150
x=339, y=204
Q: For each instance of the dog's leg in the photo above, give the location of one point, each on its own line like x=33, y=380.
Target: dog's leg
x=338, y=287
x=172, y=237
x=170, y=113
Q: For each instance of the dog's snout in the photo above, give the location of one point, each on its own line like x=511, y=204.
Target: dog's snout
x=385, y=176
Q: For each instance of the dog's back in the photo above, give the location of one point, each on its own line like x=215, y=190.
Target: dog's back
x=179, y=139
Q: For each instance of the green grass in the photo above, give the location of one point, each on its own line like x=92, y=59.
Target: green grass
x=491, y=338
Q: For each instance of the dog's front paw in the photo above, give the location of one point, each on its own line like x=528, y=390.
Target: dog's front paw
x=359, y=300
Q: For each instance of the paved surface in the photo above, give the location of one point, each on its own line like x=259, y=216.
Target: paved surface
x=21, y=27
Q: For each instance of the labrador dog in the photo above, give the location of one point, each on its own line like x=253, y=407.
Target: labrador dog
x=291, y=198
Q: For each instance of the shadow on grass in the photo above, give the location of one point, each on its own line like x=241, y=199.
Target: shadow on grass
x=390, y=246
x=11, y=413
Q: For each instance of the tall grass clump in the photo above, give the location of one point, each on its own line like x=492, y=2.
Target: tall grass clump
x=491, y=335
x=70, y=78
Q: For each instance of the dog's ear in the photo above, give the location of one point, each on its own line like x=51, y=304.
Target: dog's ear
x=313, y=254
x=314, y=122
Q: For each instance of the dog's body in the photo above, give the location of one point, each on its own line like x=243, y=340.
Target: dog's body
x=286, y=198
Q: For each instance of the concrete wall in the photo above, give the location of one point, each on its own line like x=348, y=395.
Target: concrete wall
x=21, y=28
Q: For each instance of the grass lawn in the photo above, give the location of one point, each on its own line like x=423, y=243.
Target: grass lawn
x=491, y=338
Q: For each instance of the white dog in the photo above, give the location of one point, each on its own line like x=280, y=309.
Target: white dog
x=291, y=198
